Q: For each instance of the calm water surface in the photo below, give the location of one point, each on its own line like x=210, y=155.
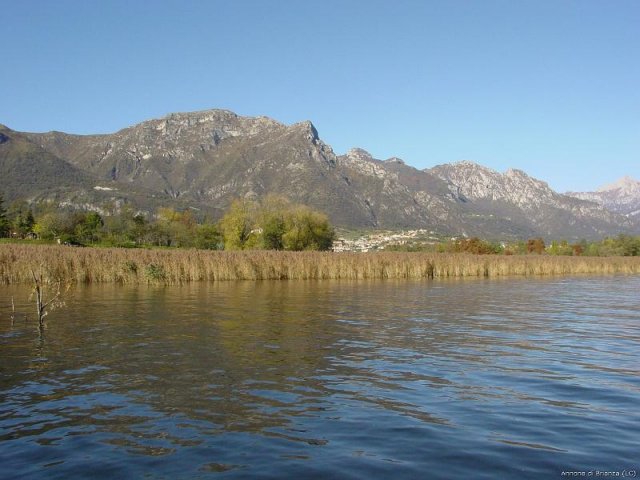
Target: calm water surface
x=524, y=378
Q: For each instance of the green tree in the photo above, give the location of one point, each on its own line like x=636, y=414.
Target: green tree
x=593, y=250
x=237, y=225
x=307, y=229
x=207, y=237
x=88, y=228
x=560, y=248
x=4, y=221
x=51, y=225
x=629, y=246
x=120, y=226
x=272, y=221
x=177, y=228
x=275, y=224
x=20, y=218
x=27, y=222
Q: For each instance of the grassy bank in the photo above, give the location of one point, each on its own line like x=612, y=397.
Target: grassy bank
x=95, y=265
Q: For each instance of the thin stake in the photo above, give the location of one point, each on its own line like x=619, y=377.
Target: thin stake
x=13, y=311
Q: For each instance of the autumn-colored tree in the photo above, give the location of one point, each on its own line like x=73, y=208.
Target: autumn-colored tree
x=475, y=245
x=578, y=249
x=535, y=245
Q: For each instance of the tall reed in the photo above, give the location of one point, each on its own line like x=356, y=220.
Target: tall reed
x=99, y=265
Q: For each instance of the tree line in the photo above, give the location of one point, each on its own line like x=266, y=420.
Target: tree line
x=273, y=224
x=621, y=245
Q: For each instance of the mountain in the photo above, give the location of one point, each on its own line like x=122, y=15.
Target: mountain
x=528, y=202
x=33, y=173
x=204, y=160
x=621, y=197
x=214, y=156
x=37, y=171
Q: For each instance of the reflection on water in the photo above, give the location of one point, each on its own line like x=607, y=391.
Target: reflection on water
x=425, y=379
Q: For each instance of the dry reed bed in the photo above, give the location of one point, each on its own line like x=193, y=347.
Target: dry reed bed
x=100, y=265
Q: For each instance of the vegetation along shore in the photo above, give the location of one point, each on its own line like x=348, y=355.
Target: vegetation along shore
x=138, y=266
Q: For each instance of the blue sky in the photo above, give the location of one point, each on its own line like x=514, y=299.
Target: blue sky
x=550, y=87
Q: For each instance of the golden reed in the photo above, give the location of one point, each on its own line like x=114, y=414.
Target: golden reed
x=99, y=265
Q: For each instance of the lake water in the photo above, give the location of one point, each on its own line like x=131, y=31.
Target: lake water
x=510, y=378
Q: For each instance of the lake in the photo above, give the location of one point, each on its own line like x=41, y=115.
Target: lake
x=483, y=378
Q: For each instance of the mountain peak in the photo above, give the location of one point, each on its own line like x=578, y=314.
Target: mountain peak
x=395, y=160
x=622, y=196
x=359, y=153
x=624, y=184
x=309, y=128
x=467, y=163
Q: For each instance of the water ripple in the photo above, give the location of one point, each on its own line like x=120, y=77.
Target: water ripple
x=473, y=379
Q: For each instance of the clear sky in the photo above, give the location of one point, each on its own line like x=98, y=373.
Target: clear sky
x=548, y=86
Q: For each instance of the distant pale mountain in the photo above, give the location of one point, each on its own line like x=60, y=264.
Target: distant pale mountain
x=622, y=197
x=204, y=160
x=526, y=201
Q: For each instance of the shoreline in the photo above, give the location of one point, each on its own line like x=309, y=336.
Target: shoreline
x=141, y=266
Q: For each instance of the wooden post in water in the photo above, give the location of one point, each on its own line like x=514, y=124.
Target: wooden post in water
x=13, y=311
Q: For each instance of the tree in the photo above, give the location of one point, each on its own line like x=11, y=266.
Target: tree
x=4, y=221
x=27, y=222
x=474, y=245
x=628, y=245
x=577, y=249
x=275, y=224
x=120, y=226
x=88, y=227
x=535, y=245
x=560, y=248
x=50, y=225
x=272, y=221
x=177, y=228
x=237, y=225
x=208, y=237
x=20, y=219
x=307, y=229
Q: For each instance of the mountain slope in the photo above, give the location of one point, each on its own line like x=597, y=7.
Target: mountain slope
x=30, y=172
x=529, y=202
x=621, y=197
x=27, y=170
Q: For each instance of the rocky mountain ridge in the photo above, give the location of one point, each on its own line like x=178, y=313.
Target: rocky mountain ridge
x=522, y=198
x=621, y=197
x=204, y=160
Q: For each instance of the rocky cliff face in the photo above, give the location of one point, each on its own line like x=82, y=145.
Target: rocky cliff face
x=621, y=197
x=528, y=202
x=206, y=159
